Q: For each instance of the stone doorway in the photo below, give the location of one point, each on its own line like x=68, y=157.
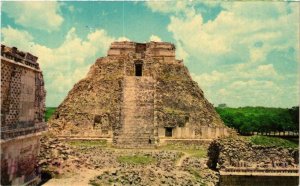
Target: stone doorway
x=138, y=69
x=168, y=132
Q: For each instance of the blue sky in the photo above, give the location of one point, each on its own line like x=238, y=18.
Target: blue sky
x=240, y=53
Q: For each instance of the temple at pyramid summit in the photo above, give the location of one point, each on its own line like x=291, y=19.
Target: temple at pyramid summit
x=138, y=95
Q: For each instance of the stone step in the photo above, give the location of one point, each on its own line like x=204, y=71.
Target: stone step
x=137, y=112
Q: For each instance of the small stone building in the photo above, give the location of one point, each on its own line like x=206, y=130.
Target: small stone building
x=138, y=94
x=22, y=116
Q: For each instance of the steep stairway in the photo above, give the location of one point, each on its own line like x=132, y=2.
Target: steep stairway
x=137, y=113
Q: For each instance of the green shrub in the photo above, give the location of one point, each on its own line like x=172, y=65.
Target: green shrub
x=273, y=141
x=261, y=119
x=49, y=112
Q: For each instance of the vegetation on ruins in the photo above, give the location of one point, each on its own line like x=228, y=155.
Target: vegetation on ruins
x=49, y=112
x=136, y=159
x=273, y=141
x=262, y=120
x=88, y=143
x=196, y=151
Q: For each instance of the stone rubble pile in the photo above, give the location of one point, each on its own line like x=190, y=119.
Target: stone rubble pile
x=192, y=164
x=59, y=158
x=236, y=152
x=146, y=176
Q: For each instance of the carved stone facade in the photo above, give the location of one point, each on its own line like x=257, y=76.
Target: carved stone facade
x=143, y=93
x=22, y=116
x=236, y=156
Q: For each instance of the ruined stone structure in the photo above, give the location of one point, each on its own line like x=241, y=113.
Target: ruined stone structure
x=137, y=94
x=234, y=156
x=22, y=116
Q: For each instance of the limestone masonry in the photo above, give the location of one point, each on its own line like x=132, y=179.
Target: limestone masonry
x=22, y=116
x=137, y=95
x=235, y=156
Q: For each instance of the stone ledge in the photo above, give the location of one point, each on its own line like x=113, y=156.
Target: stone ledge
x=256, y=173
x=31, y=135
x=19, y=64
x=16, y=133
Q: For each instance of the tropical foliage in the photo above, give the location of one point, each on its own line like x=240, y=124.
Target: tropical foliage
x=247, y=120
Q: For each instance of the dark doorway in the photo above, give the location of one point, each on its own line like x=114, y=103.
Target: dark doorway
x=169, y=132
x=138, y=69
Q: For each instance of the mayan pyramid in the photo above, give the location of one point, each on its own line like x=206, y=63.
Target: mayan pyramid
x=138, y=94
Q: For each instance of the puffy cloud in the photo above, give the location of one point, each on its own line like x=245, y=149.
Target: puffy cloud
x=155, y=38
x=17, y=37
x=39, y=15
x=65, y=65
x=234, y=48
x=259, y=93
x=251, y=84
x=209, y=79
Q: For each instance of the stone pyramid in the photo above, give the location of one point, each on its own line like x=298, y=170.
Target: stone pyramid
x=137, y=95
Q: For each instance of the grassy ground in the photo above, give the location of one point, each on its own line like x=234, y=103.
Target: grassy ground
x=195, y=173
x=88, y=143
x=136, y=160
x=194, y=151
x=49, y=112
x=273, y=141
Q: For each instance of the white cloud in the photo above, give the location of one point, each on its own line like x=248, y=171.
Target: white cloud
x=190, y=32
x=39, y=15
x=206, y=80
x=251, y=84
x=155, y=38
x=123, y=39
x=266, y=70
x=65, y=65
x=167, y=6
x=16, y=37
x=232, y=49
x=181, y=53
x=233, y=34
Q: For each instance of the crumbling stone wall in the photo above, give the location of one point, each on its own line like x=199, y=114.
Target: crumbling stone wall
x=22, y=116
x=92, y=107
x=234, y=152
x=179, y=103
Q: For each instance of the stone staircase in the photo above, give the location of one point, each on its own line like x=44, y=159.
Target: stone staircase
x=137, y=113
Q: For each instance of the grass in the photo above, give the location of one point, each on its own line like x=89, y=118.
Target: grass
x=197, y=152
x=195, y=173
x=88, y=143
x=49, y=112
x=273, y=141
x=136, y=160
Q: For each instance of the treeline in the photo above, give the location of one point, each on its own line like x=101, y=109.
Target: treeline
x=266, y=121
